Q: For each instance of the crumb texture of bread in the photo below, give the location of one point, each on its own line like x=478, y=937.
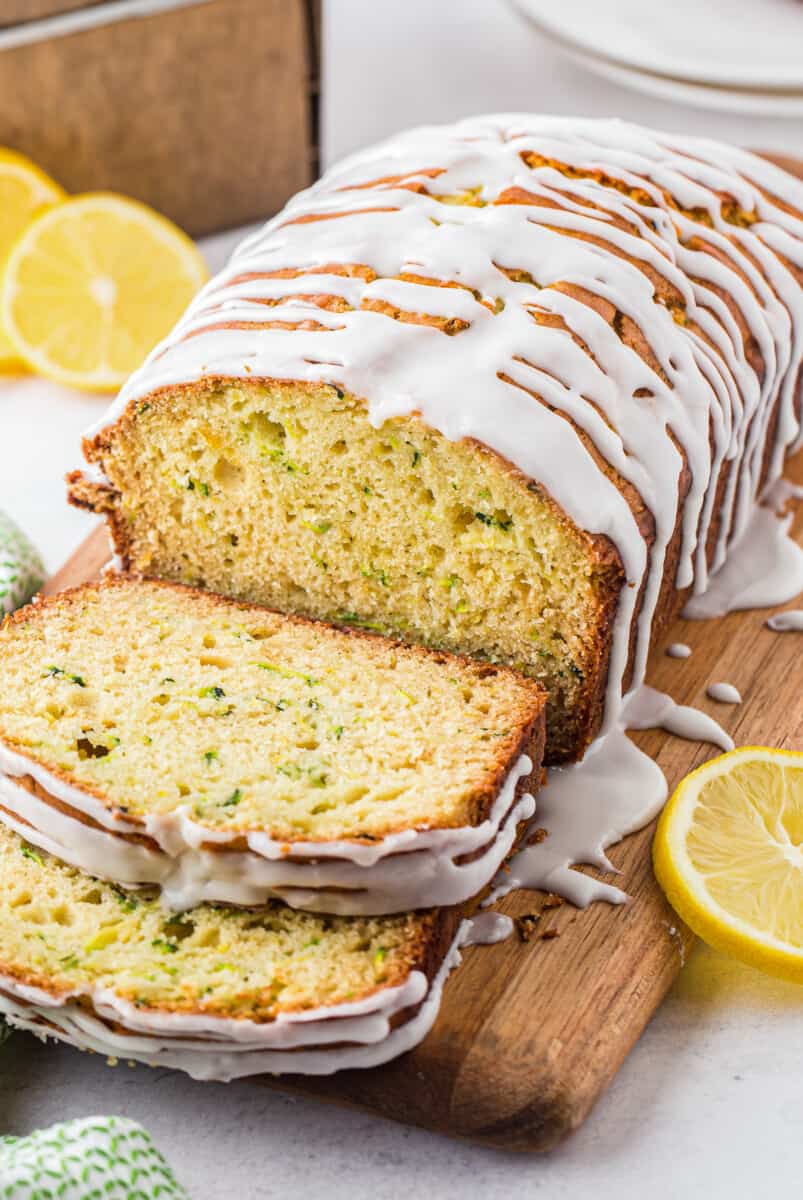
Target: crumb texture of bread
x=65, y=932
x=286, y=494
x=155, y=699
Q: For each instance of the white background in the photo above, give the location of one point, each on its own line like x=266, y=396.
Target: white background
x=709, y=1102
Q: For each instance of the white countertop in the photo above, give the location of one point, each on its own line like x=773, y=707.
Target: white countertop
x=708, y=1102
x=707, y=1105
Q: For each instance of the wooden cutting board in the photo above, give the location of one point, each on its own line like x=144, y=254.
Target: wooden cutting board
x=530, y=1034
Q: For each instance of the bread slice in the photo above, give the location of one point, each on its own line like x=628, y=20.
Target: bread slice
x=219, y=992
x=155, y=734
x=508, y=387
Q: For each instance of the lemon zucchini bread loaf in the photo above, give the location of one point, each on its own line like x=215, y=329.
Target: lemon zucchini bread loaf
x=217, y=992
x=510, y=387
x=151, y=733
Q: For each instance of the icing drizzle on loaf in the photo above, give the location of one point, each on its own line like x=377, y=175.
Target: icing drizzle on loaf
x=560, y=289
x=316, y=1041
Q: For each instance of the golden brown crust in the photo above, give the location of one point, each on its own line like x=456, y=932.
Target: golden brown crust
x=90, y=495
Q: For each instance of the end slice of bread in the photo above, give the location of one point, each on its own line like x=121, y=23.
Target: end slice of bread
x=157, y=734
x=219, y=992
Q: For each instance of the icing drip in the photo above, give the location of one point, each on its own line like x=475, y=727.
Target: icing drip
x=677, y=939
x=787, y=622
x=651, y=709
x=309, y=1043
x=589, y=806
x=487, y=928
x=781, y=494
x=679, y=650
x=585, y=809
x=765, y=567
x=724, y=693
x=413, y=869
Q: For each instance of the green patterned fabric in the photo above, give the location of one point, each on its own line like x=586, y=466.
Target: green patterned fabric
x=93, y=1158
x=21, y=570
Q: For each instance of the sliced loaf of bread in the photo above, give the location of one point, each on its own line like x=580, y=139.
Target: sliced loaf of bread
x=150, y=733
x=508, y=387
x=217, y=992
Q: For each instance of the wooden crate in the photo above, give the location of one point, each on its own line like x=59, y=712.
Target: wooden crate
x=206, y=110
x=15, y=12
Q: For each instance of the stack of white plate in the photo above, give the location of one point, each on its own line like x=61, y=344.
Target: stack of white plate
x=735, y=55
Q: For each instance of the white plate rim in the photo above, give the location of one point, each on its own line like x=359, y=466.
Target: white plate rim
x=717, y=75
x=719, y=99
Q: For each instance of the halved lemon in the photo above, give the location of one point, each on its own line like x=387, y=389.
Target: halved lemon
x=93, y=284
x=728, y=852
x=24, y=191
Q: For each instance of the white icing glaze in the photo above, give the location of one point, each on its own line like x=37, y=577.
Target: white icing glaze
x=708, y=397
x=765, y=567
x=651, y=709
x=724, y=693
x=679, y=650
x=589, y=806
x=585, y=808
x=227, y=1048
x=413, y=869
x=781, y=494
x=787, y=622
x=677, y=939
x=487, y=928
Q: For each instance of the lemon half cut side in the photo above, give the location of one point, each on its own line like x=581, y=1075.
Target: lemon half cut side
x=93, y=284
x=24, y=191
x=728, y=852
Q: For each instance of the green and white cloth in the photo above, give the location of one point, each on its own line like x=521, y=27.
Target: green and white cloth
x=22, y=572
x=92, y=1158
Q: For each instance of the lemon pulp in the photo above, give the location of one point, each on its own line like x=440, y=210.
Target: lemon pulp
x=93, y=284
x=24, y=191
x=728, y=852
